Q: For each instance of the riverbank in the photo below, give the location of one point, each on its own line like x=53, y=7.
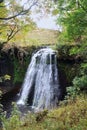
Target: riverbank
x=70, y=115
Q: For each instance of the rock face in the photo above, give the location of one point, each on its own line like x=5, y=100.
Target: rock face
x=6, y=68
x=14, y=62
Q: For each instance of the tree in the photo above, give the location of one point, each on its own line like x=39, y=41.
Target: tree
x=17, y=9
x=17, y=15
x=73, y=18
x=11, y=20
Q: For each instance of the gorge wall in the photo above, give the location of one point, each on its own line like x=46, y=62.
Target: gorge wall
x=14, y=62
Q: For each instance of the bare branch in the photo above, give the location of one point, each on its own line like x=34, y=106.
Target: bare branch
x=12, y=34
x=14, y=29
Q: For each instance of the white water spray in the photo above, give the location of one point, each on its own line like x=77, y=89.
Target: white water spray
x=42, y=75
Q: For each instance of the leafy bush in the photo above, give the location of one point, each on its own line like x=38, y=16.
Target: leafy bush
x=5, y=77
x=73, y=52
x=13, y=121
x=79, y=50
x=72, y=116
x=77, y=53
x=79, y=83
x=63, y=51
x=83, y=69
x=73, y=19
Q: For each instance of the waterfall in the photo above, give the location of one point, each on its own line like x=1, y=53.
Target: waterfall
x=42, y=78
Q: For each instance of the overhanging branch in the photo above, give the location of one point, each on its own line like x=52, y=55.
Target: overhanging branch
x=22, y=12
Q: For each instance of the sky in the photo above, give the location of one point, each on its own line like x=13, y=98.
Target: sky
x=44, y=20
x=47, y=21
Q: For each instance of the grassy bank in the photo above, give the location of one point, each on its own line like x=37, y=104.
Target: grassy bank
x=37, y=37
x=68, y=116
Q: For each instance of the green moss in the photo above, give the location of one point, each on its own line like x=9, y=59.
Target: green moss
x=20, y=68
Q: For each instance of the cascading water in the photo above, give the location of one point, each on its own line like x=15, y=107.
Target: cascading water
x=42, y=76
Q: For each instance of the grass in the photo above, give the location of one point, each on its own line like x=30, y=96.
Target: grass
x=71, y=116
x=37, y=37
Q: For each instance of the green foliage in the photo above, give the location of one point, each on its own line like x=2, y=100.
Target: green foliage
x=77, y=76
x=79, y=50
x=3, y=11
x=1, y=80
x=3, y=26
x=63, y=50
x=2, y=114
x=73, y=18
x=13, y=121
x=69, y=117
x=72, y=116
x=55, y=12
x=10, y=25
x=21, y=63
x=18, y=18
x=5, y=77
x=73, y=52
x=20, y=70
x=76, y=25
x=83, y=69
x=79, y=83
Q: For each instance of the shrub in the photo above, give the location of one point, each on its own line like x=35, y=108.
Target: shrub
x=79, y=83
